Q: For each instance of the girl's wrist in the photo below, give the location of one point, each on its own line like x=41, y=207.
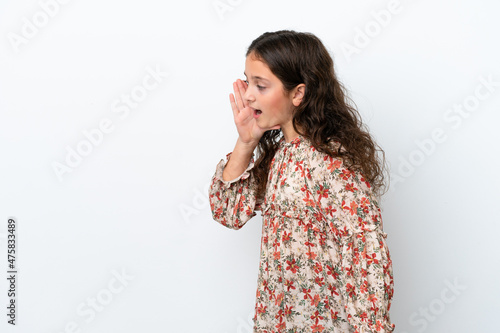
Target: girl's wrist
x=247, y=147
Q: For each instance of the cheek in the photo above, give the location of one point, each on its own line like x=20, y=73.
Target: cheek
x=275, y=101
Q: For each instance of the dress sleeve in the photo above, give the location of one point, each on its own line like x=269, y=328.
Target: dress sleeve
x=233, y=202
x=354, y=220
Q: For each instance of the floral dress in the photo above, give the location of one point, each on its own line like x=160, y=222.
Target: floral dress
x=324, y=262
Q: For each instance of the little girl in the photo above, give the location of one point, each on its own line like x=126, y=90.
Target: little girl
x=324, y=265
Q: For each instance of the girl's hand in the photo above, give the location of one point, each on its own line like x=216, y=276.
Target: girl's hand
x=248, y=130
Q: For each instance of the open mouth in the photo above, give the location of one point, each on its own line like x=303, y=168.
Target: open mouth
x=257, y=112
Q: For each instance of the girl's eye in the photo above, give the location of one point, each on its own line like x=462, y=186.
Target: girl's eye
x=258, y=86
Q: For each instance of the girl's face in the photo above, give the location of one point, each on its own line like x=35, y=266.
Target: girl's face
x=265, y=93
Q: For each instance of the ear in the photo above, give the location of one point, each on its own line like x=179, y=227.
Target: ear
x=298, y=94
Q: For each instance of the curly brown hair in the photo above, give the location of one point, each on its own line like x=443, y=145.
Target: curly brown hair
x=326, y=113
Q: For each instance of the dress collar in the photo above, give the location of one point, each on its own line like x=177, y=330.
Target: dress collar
x=295, y=142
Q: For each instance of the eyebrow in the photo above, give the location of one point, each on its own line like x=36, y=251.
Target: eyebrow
x=257, y=77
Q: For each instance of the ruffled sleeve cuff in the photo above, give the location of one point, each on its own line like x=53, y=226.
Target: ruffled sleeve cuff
x=220, y=169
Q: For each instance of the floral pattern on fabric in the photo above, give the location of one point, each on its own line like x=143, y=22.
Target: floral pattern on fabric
x=324, y=262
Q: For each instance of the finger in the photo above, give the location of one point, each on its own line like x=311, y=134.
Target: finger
x=234, y=107
x=236, y=96
x=241, y=93
x=244, y=85
x=243, y=88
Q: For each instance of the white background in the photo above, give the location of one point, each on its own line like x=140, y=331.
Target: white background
x=137, y=203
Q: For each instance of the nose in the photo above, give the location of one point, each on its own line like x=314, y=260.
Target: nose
x=248, y=96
